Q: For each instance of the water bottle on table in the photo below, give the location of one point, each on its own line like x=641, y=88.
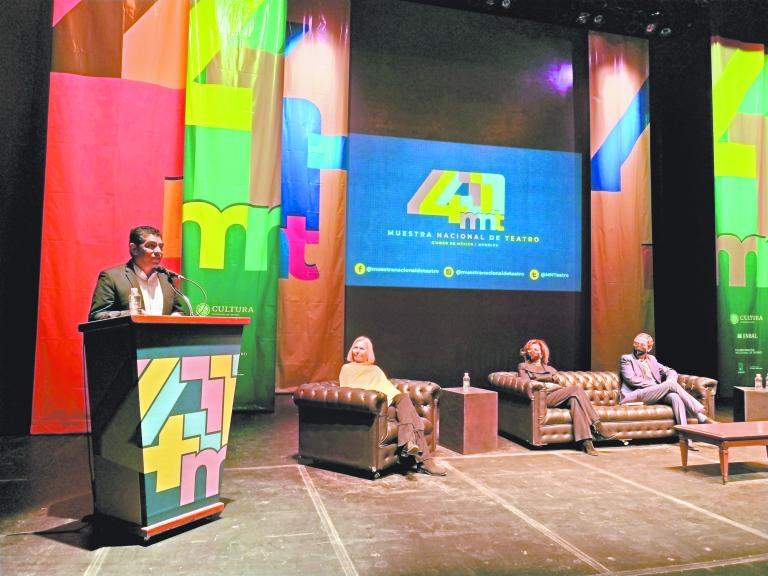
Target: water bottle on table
x=465, y=381
x=134, y=302
x=758, y=381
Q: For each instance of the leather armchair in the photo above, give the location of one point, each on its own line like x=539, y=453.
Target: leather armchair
x=356, y=428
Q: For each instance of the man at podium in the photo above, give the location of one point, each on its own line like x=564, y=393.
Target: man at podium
x=156, y=292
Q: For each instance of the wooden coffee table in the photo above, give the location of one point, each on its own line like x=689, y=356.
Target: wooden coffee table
x=724, y=435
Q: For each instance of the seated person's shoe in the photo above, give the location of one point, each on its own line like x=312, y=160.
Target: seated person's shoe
x=410, y=449
x=603, y=434
x=707, y=420
x=589, y=448
x=432, y=468
x=691, y=447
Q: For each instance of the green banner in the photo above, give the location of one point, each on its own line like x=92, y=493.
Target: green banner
x=231, y=212
x=739, y=109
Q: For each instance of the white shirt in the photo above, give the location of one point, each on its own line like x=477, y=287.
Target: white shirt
x=150, y=291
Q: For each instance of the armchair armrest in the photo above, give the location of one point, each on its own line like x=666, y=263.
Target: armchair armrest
x=328, y=395
x=423, y=394
x=511, y=383
x=701, y=386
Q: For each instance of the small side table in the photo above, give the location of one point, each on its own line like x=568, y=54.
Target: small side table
x=468, y=419
x=749, y=404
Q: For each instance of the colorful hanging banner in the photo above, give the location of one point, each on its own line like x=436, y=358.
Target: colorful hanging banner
x=312, y=233
x=231, y=213
x=739, y=110
x=622, y=245
x=114, y=159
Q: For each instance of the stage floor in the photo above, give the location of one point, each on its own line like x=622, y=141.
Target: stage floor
x=632, y=511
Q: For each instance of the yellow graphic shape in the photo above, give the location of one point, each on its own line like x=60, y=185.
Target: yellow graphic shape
x=732, y=159
x=213, y=229
x=435, y=204
x=214, y=224
x=534, y=274
x=165, y=458
x=152, y=381
x=359, y=268
x=448, y=272
x=209, y=104
x=737, y=76
x=221, y=367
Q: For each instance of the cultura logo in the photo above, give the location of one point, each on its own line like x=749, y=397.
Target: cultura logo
x=202, y=309
x=478, y=205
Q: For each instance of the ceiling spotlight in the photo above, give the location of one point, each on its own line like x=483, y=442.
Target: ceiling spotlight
x=650, y=28
x=490, y=3
x=506, y=3
x=582, y=18
x=666, y=31
x=598, y=20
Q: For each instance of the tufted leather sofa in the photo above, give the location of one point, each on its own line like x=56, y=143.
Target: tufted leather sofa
x=356, y=428
x=523, y=412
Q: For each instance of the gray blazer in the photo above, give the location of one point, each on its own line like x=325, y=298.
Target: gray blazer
x=632, y=376
x=110, y=298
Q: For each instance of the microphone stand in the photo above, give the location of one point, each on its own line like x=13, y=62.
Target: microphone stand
x=171, y=275
x=183, y=297
x=205, y=296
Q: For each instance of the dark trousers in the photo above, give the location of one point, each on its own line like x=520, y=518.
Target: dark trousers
x=583, y=414
x=410, y=427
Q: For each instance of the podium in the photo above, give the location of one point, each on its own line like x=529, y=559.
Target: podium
x=160, y=392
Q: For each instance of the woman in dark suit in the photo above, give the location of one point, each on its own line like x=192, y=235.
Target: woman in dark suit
x=585, y=419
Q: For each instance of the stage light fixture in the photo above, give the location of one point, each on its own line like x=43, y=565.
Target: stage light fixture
x=650, y=28
x=598, y=20
x=506, y=4
x=665, y=32
x=583, y=17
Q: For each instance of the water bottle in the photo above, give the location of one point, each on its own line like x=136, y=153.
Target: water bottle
x=134, y=301
x=759, y=381
x=465, y=381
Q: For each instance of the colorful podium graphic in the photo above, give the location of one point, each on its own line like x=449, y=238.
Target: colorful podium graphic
x=160, y=392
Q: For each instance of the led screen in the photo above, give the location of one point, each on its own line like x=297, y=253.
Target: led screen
x=427, y=214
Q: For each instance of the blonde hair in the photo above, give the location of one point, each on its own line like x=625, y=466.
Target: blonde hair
x=371, y=356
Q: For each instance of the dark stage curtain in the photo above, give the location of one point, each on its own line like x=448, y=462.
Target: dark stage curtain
x=25, y=54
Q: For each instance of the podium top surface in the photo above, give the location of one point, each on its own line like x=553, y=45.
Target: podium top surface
x=173, y=320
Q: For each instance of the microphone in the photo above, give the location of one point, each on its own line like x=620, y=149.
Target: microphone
x=171, y=275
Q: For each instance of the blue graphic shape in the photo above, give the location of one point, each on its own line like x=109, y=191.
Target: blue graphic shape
x=300, y=184
x=284, y=254
x=327, y=152
x=194, y=425
x=189, y=399
x=161, y=408
x=294, y=32
x=608, y=160
x=542, y=228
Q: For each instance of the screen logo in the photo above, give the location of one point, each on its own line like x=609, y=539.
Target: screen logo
x=471, y=200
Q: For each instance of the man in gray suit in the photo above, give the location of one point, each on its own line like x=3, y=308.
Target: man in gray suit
x=644, y=379
x=157, y=293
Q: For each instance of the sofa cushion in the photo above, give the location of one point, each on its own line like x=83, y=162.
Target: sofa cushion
x=602, y=388
x=635, y=412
